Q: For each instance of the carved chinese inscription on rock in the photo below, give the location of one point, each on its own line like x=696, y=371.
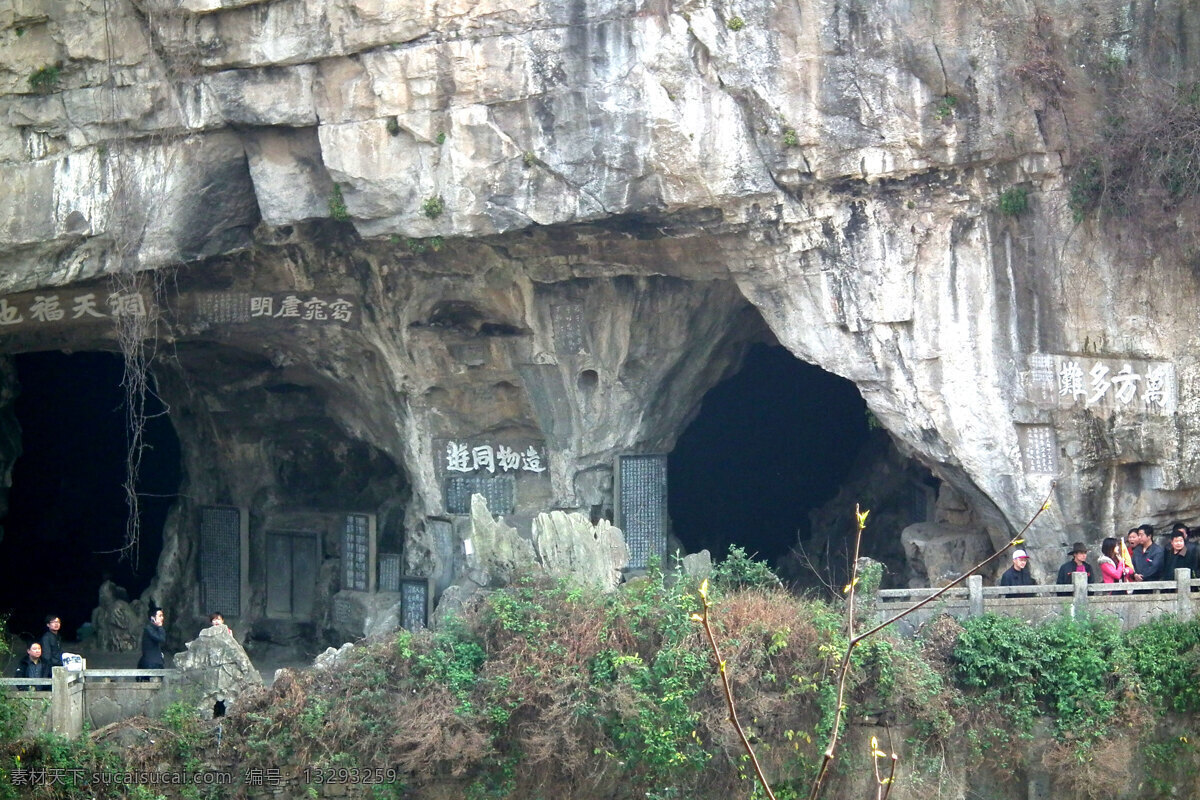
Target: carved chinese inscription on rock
x=464, y=457
x=567, y=318
x=414, y=603
x=258, y=307
x=1110, y=385
x=499, y=491
x=1039, y=449
x=389, y=572
x=642, y=506
x=219, y=559
x=54, y=309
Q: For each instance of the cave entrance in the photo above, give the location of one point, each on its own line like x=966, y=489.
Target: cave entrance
x=66, y=507
x=770, y=444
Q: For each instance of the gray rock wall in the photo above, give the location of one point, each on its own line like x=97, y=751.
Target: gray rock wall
x=563, y=222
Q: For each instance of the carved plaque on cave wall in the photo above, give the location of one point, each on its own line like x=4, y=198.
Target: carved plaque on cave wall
x=220, y=559
x=641, y=507
x=567, y=319
x=498, y=490
x=416, y=595
x=358, y=552
x=1103, y=384
x=389, y=572
x=1039, y=449
x=266, y=308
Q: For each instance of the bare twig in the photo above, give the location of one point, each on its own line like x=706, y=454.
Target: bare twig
x=733, y=717
x=855, y=639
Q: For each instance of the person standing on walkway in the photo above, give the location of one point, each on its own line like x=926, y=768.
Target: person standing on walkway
x=153, y=636
x=1112, y=566
x=1077, y=563
x=33, y=665
x=52, y=642
x=1179, y=556
x=1017, y=574
x=1147, y=555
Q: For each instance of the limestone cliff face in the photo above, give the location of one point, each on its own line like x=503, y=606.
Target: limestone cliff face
x=558, y=224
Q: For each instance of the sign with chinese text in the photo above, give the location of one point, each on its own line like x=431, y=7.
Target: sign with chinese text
x=498, y=490
x=1104, y=384
x=357, y=544
x=641, y=511
x=51, y=308
x=220, y=560
x=224, y=308
x=415, y=601
x=467, y=458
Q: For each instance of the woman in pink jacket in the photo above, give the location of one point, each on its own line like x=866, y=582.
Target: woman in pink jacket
x=1112, y=567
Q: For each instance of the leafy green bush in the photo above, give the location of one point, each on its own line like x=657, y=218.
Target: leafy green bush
x=1014, y=201
x=740, y=570
x=1164, y=657
x=337, y=205
x=45, y=80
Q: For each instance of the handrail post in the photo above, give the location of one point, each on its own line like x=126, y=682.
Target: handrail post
x=1183, y=593
x=975, y=596
x=1079, y=599
x=60, y=702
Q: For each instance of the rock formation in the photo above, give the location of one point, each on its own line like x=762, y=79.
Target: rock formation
x=217, y=667
x=397, y=253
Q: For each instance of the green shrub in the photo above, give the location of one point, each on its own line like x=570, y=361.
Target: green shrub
x=1164, y=658
x=1014, y=202
x=735, y=24
x=739, y=570
x=945, y=107
x=433, y=207
x=45, y=80
x=337, y=205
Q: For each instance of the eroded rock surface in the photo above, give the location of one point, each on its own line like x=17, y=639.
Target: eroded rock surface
x=557, y=225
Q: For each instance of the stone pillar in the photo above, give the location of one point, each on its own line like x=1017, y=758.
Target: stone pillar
x=60, y=702
x=1079, y=600
x=1183, y=594
x=974, y=595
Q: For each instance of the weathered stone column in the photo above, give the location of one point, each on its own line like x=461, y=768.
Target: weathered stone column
x=975, y=595
x=1079, y=600
x=1183, y=593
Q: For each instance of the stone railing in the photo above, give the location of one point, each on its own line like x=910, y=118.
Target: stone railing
x=1132, y=603
x=63, y=703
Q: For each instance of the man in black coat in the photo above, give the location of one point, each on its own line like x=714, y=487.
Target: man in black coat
x=34, y=666
x=1077, y=563
x=1179, y=556
x=51, y=641
x=1147, y=556
x=153, y=636
x=1018, y=574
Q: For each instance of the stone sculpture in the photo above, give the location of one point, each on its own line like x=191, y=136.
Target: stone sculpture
x=218, y=666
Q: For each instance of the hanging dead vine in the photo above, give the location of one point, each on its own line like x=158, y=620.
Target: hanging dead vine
x=133, y=299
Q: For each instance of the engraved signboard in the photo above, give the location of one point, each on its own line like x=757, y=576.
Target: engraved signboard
x=265, y=308
x=642, y=506
x=415, y=595
x=220, y=559
x=1105, y=385
x=1039, y=449
x=567, y=318
x=498, y=490
x=356, y=552
x=389, y=572
x=345, y=613
x=57, y=308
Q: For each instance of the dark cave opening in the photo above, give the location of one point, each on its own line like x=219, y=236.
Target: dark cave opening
x=770, y=444
x=67, y=508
